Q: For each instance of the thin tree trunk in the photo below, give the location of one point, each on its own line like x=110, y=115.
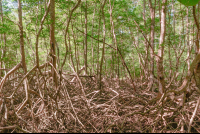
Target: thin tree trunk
x=146, y=62
x=152, y=31
x=3, y=39
x=160, y=71
x=169, y=52
x=92, y=41
x=76, y=48
x=21, y=37
x=188, y=39
x=99, y=29
x=103, y=49
x=71, y=55
x=117, y=48
x=85, y=46
x=197, y=69
x=52, y=41
x=197, y=34
x=67, y=27
x=23, y=62
x=38, y=33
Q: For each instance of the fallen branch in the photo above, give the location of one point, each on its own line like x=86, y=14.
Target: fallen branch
x=9, y=73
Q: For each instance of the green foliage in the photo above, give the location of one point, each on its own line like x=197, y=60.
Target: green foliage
x=124, y=13
x=189, y=2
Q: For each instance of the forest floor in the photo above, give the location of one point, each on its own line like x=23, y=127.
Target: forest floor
x=117, y=108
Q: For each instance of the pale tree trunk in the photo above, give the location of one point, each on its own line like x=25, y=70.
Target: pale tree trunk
x=146, y=64
x=97, y=62
x=102, y=55
x=52, y=41
x=21, y=37
x=169, y=51
x=92, y=41
x=152, y=12
x=3, y=39
x=197, y=33
x=175, y=46
x=23, y=62
x=160, y=73
x=112, y=70
x=142, y=74
x=38, y=34
x=70, y=52
x=76, y=48
x=117, y=48
x=85, y=46
x=174, y=21
x=178, y=50
x=65, y=35
x=117, y=55
x=197, y=69
x=188, y=39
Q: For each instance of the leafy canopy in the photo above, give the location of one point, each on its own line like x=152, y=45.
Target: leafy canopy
x=189, y=2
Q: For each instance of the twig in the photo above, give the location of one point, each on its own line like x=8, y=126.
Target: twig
x=8, y=127
x=67, y=94
x=6, y=76
x=78, y=80
x=194, y=113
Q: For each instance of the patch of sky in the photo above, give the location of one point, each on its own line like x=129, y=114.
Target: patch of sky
x=9, y=4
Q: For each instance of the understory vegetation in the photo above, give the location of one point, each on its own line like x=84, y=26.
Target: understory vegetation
x=99, y=66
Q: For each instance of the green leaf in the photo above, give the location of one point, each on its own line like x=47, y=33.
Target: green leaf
x=189, y=2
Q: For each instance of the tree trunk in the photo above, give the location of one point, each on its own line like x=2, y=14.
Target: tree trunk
x=92, y=41
x=103, y=49
x=52, y=41
x=160, y=73
x=152, y=12
x=188, y=39
x=3, y=39
x=21, y=37
x=197, y=69
x=146, y=61
x=85, y=47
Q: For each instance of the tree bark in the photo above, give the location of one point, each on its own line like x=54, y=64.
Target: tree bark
x=85, y=47
x=52, y=41
x=152, y=31
x=103, y=49
x=160, y=73
x=197, y=34
x=117, y=48
x=3, y=39
x=197, y=69
x=188, y=39
x=21, y=37
x=92, y=40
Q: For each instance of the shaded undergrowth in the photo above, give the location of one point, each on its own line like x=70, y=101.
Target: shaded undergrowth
x=117, y=108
